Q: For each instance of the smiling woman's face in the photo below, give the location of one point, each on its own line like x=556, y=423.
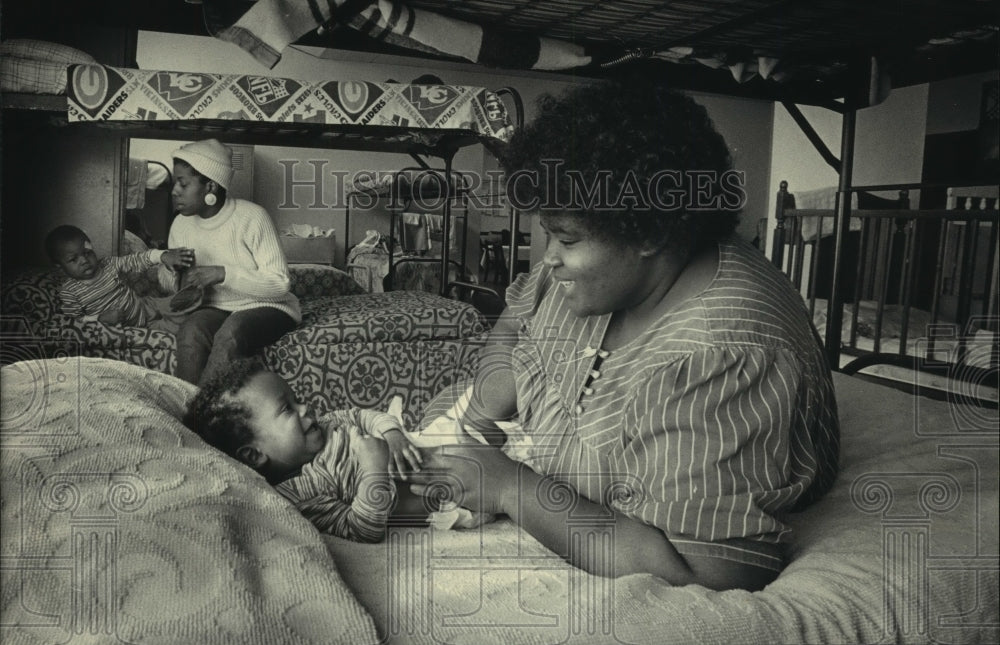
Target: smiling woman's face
x=597, y=276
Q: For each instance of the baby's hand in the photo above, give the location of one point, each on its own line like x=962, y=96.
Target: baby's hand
x=371, y=453
x=403, y=455
x=179, y=258
x=111, y=317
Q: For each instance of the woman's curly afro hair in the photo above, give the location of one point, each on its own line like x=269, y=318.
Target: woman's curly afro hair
x=636, y=135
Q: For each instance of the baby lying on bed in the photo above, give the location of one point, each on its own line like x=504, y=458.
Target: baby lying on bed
x=337, y=469
x=94, y=289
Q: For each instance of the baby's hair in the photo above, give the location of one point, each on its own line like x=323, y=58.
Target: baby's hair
x=61, y=235
x=214, y=412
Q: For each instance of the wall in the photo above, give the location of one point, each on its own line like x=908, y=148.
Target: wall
x=889, y=139
x=746, y=126
x=958, y=147
x=953, y=104
x=888, y=146
x=55, y=177
x=60, y=176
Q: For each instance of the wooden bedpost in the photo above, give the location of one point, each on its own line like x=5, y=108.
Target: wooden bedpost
x=778, y=239
x=835, y=306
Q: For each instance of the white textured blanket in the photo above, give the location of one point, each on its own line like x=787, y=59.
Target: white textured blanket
x=119, y=525
x=903, y=549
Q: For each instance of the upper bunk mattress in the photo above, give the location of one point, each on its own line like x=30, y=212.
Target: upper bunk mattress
x=406, y=112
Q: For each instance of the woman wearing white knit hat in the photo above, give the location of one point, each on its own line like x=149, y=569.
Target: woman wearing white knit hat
x=240, y=266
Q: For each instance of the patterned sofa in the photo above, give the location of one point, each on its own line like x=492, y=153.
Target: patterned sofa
x=352, y=348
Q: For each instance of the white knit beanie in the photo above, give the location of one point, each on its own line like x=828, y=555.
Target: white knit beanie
x=210, y=158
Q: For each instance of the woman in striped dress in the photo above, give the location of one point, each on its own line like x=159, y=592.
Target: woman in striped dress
x=673, y=392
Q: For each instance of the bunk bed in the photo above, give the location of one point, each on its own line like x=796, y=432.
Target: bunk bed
x=432, y=120
x=119, y=524
x=413, y=203
x=352, y=348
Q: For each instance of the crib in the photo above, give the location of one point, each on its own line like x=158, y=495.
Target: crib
x=911, y=288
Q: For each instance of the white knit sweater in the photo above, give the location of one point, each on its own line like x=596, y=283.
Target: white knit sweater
x=241, y=238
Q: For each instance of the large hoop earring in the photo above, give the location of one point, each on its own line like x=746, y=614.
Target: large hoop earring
x=210, y=199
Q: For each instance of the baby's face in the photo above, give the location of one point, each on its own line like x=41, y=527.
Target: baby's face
x=284, y=429
x=77, y=259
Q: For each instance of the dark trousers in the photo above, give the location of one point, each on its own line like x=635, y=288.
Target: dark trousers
x=209, y=339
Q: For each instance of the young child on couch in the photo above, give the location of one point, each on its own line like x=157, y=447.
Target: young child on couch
x=337, y=469
x=94, y=288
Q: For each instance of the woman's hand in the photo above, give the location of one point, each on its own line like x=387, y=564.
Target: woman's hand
x=403, y=455
x=203, y=276
x=476, y=477
x=179, y=258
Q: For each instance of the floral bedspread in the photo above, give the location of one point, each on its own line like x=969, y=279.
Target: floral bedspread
x=352, y=348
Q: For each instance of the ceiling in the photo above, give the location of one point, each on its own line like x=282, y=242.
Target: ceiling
x=816, y=46
x=773, y=26
x=700, y=42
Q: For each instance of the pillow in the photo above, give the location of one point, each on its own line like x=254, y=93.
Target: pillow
x=132, y=243
x=117, y=518
x=37, y=66
x=321, y=281
x=44, y=50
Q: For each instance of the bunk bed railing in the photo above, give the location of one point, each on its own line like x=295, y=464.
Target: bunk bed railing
x=406, y=191
x=514, y=223
x=918, y=287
